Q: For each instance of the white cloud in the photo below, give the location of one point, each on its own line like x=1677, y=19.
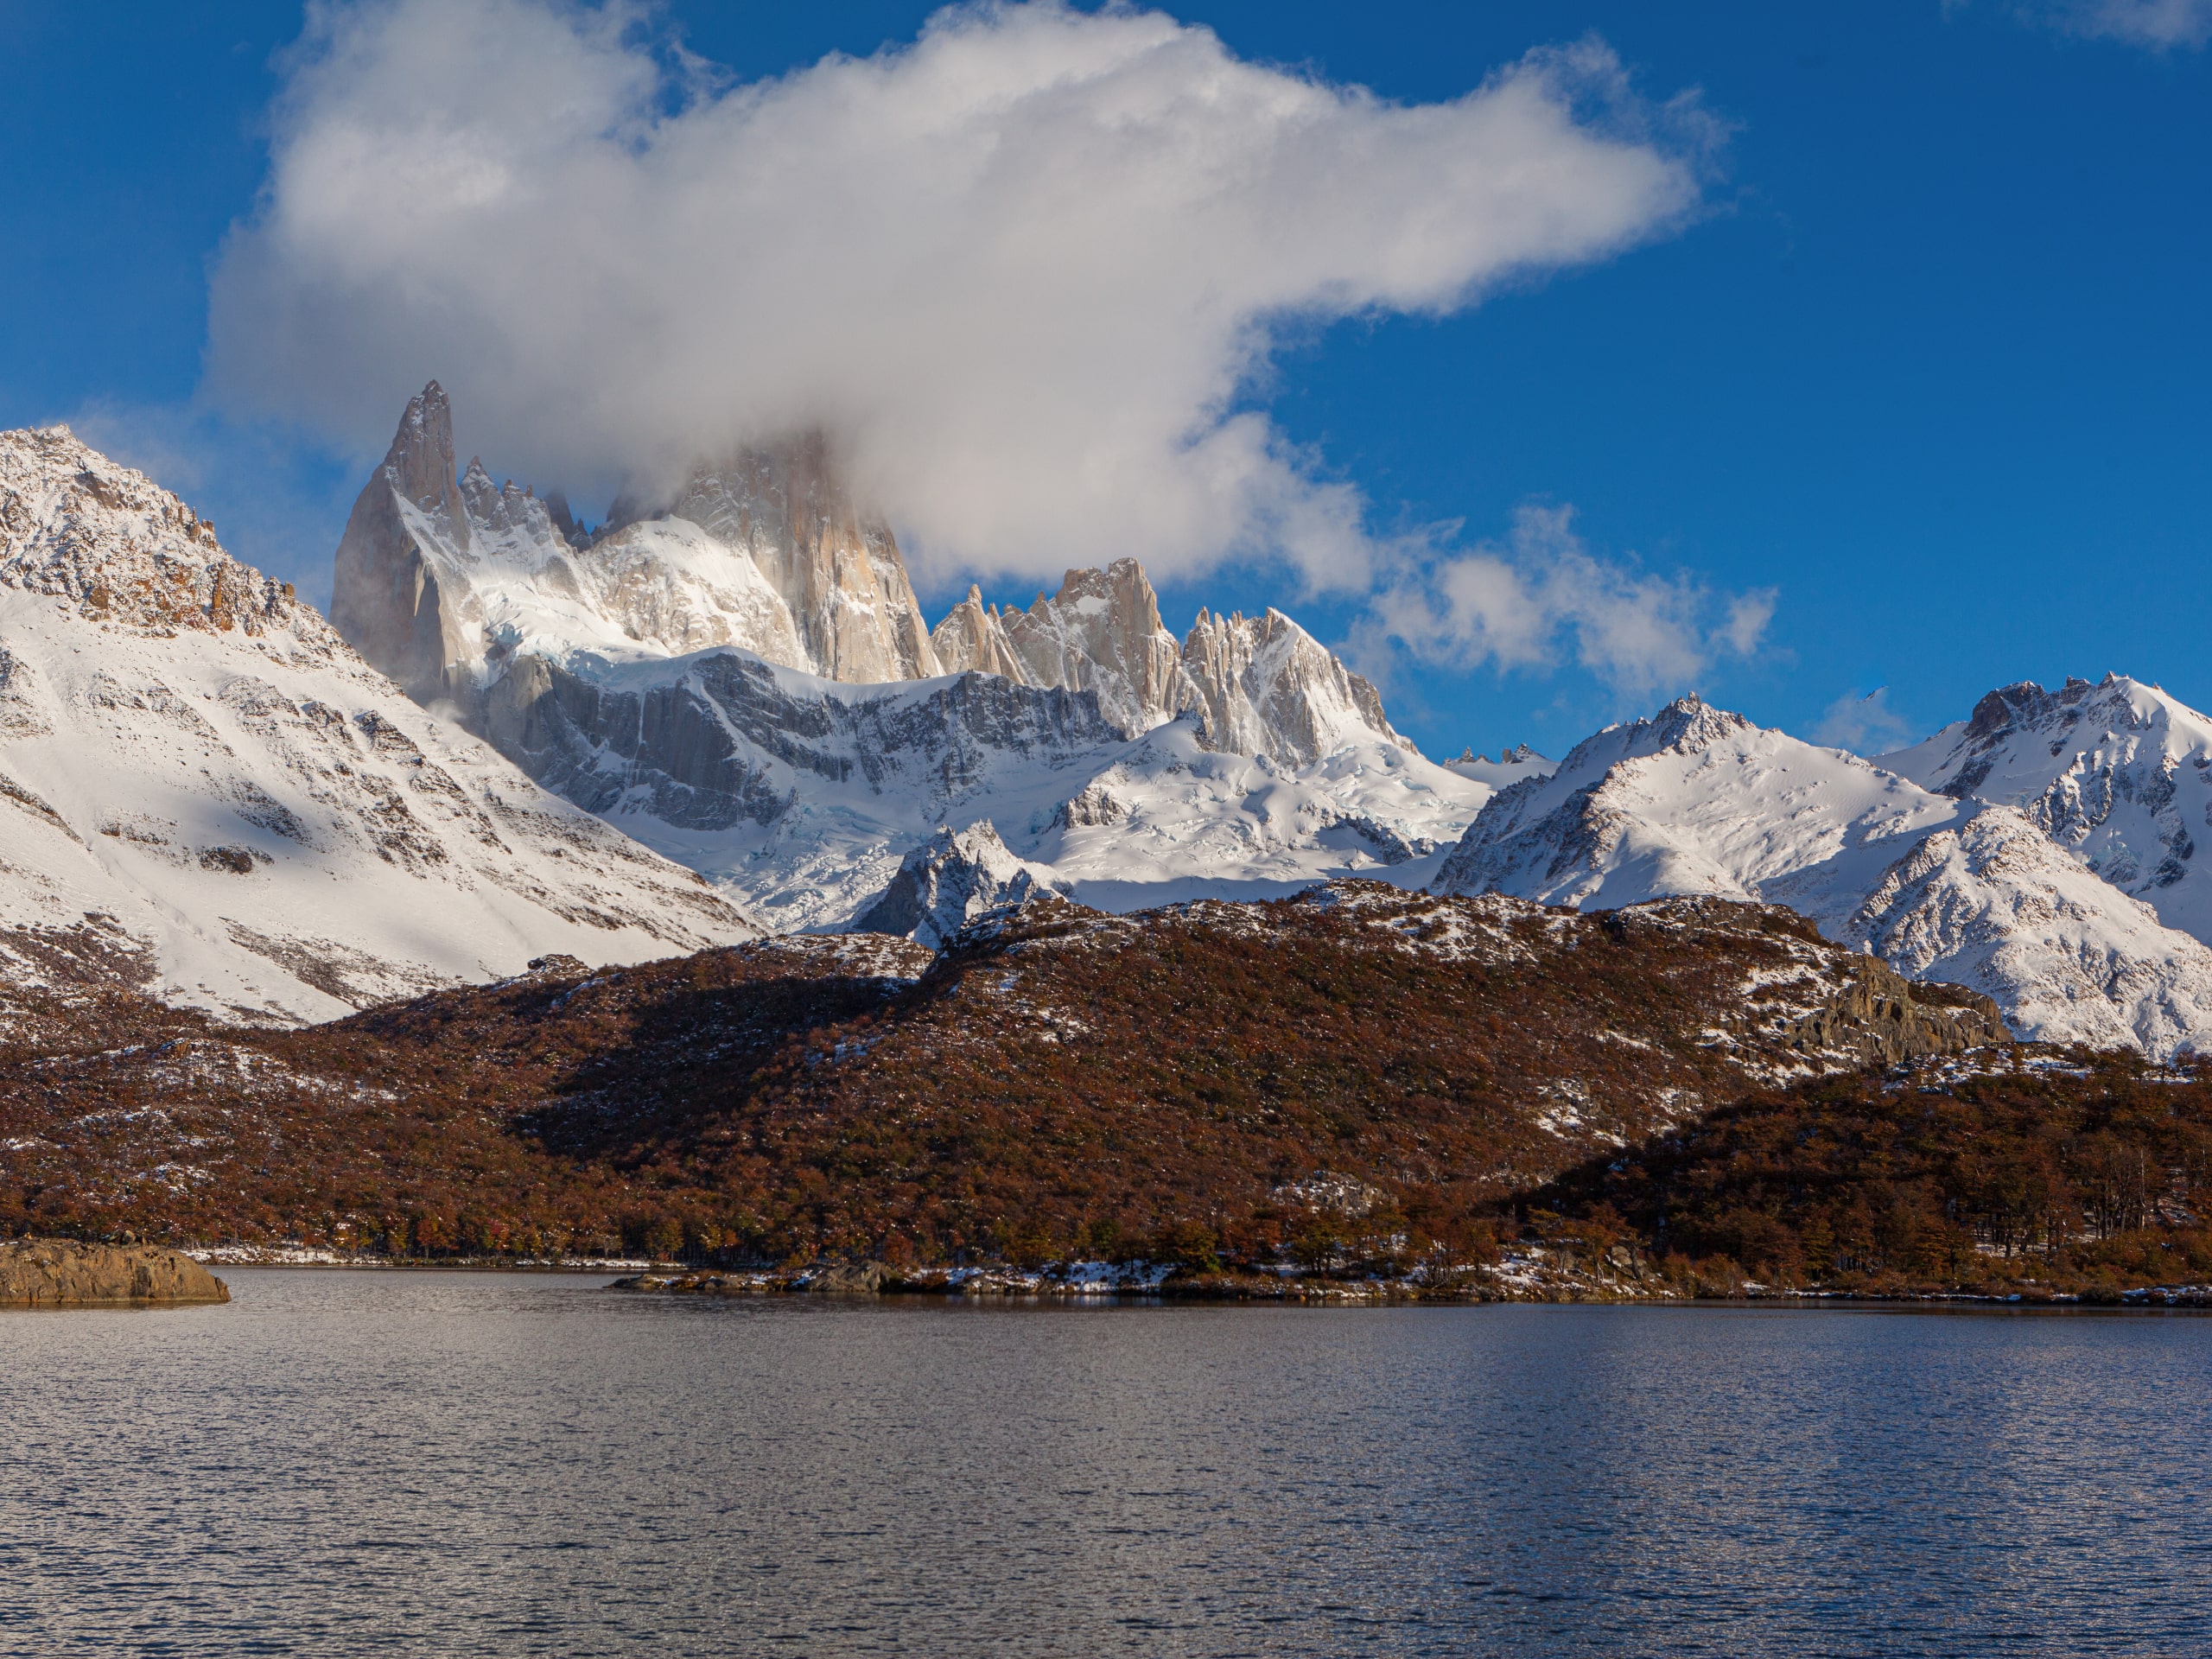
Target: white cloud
x=1864, y=725
x=2161, y=25
x=1025, y=268
x=1543, y=597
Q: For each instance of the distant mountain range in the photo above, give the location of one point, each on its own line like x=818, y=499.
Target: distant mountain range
x=725, y=713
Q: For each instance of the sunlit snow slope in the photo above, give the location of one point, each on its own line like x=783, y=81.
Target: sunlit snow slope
x=2119, y=773
x=1699, y=800
x=204, y=791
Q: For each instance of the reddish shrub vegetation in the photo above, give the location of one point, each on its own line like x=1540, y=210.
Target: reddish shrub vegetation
x=1067, y=1083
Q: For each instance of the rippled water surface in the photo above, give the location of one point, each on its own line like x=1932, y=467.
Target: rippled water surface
x=479, y=1463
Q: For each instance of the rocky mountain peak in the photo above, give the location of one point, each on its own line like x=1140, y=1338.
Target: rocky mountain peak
x=971, y=637
x=1689, y=723
x=837, y=567
x=2118, y=773
x=75, y=526
x=1102, y=633
x=420, y=463
x=1263, y=685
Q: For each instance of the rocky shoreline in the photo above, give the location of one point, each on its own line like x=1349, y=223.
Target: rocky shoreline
x=1524, y=1276
x=64, y=1272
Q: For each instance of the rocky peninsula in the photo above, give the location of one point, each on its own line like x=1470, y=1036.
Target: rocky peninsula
x=63, y=1273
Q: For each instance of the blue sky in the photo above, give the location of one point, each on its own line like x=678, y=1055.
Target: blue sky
x=1930, y=361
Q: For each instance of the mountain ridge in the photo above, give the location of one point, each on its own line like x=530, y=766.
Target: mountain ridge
x=208, y=793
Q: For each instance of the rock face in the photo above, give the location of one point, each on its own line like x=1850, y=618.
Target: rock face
x=1102, y=633
x=971, y=638
x=205, y=792
x=441, y=582
x=1699, y=800
x=727, y=739
x=1885, y=1019
x=1266, y=686
x=836, y=568
x=61, y=1273
x=392, y=596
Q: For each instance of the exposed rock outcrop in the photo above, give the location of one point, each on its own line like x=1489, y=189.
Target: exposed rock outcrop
x=61, y=1273
x=114, y=548
x=1885, y=1019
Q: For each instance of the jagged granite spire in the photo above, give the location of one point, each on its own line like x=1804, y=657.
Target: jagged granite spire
x=388, y=585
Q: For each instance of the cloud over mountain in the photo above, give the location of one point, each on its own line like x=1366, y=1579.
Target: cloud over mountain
x=1025, y=268
x=1541, y=597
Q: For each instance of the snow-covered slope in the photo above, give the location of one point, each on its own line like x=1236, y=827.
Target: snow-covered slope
x=204, y=790
x=2119, y=773
x=801, y=796
x=1994, y=902
x=1701, y=801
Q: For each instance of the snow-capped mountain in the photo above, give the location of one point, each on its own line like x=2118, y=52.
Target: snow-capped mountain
x=438, y=582
x=2119, y=773
x=769, y=713
x=204, y=791
x=1698, y=800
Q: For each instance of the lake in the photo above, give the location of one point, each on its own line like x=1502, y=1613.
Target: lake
x=462, y=1464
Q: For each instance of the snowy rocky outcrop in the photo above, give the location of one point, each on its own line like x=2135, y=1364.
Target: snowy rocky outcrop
x=205, y=791
x=740, y=679
x=1100, y=633
x=1257, y=685
x=952, y=879
x=2118, y=773
x=1994, y=903
x=1699, y=800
